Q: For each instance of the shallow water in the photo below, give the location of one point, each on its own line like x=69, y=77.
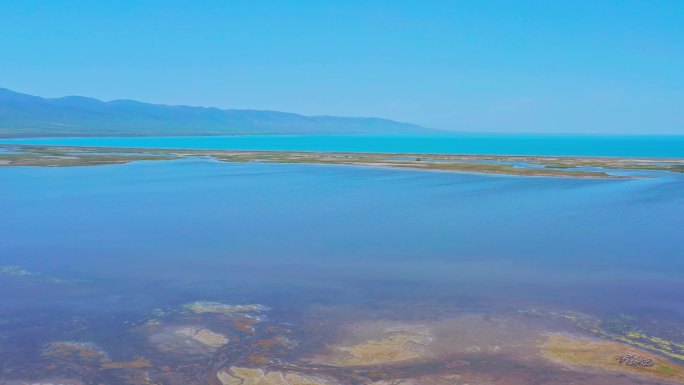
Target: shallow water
x=124, y=240
x=8, y=151
x=493, y=144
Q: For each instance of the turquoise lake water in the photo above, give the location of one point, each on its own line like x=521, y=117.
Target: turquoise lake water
x=625, y=146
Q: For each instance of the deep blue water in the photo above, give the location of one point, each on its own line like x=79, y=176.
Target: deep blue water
x=568, y=242
x=636, y=146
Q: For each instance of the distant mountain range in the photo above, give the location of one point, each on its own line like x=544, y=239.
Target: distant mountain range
x=23, y=115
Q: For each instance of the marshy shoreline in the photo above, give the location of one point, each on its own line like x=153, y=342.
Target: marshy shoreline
x=518, y=165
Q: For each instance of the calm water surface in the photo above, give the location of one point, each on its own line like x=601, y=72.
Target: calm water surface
x=634, y=146
x=199, y=220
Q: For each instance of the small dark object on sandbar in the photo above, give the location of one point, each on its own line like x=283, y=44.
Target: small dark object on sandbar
x=635, y=360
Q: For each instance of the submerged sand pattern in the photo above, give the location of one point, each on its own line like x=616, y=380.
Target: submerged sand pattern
x=221, y=308
x=188, y=340
x=204, y=336
x=255, y=376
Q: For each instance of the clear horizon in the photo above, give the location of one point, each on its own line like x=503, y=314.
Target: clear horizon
x=359, y=192
x=494, y=66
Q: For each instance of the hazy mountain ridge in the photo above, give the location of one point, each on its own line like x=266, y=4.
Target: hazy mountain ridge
x=23, y=115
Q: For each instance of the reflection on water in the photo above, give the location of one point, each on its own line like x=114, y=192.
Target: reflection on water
x=101, y=263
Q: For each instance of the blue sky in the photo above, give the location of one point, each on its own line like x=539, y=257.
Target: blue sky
x=505, y=66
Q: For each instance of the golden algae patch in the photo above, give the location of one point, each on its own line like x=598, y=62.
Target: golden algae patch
x=623, y=328
x=667, y=348
x=254, y=376
x=473, y=335
x=395, y=344
x=578, y=351
x=135, y=364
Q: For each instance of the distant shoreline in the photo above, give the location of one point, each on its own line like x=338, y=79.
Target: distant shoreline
x=542, y=166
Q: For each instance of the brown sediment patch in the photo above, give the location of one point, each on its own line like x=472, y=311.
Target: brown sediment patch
x=70, y=349
x=245, y=324
x=254, y=376
x=135, y=364
x=585, y=352
x=277, y=341
x=386, y=345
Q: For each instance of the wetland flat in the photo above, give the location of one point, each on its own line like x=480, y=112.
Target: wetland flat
x=549, y=166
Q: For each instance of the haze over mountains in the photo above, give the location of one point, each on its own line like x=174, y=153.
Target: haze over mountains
x=23, y=115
